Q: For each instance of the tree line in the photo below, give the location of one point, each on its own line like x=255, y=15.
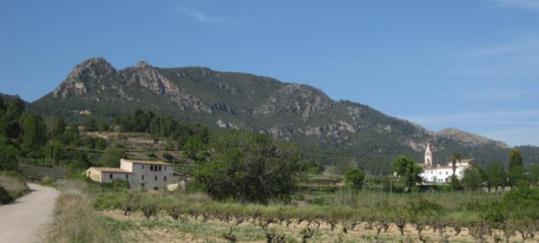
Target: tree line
x=27, y=135
x=491, y=176
x=496, y=175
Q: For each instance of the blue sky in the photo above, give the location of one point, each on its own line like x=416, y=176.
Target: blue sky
x=469, y=64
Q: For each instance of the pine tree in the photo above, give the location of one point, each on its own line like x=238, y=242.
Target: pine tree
x=58, y=127
x=516, y=168
x=34, y=132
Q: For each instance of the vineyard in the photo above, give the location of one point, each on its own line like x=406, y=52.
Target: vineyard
x=341, y=216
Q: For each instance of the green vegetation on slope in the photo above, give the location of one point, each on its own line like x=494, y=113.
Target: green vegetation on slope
x=329, y=132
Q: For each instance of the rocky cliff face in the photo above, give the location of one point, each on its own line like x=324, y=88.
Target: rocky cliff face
x=293, y=112
x=468, y=138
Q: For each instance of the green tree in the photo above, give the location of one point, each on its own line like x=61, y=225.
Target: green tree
x=100, y=144
x=14, y=109
x=55, y=150
x=8, y=155
x=12, y=112
x=250, y=167
x=193, y=146
x=58, y=127
x=90, y=125
x=2, y=107
x=102, y=126
x=71, y=136
x=112, y=155
x=494, y=175
x=409, y=170
x=533, y=174
x=34, y=133
x=516, y=168
x=354, y=178
x=471, y=180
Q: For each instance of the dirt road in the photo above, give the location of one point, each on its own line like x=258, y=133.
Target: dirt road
x=26, y=219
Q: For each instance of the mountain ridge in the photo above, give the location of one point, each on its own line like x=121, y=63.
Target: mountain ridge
x=341, y=130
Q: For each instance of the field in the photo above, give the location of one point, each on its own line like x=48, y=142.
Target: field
x=323, y=209
x=341, y=216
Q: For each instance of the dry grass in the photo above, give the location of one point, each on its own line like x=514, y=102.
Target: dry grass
x=75, y=220
x=14, y=184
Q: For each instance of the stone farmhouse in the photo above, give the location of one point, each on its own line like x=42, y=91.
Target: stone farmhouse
x=140, y=174
x=440, y=174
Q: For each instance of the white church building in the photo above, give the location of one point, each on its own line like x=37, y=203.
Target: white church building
x=441, y=173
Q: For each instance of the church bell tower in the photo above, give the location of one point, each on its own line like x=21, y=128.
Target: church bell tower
x=428, y=157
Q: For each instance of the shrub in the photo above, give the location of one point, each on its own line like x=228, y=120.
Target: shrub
x=8, y=155
x=47, y=181
x=250, y=167
x=409, y=170
x=118, y=184
x=5, y=198
x=354, y=178
x=14, y=184
x=471, y=180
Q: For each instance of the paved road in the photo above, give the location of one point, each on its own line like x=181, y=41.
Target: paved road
x=26, y=219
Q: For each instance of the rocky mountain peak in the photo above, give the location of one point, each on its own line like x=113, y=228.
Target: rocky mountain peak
x=82, y=76
x=147, y=76
x=92, y=68
x=143, y=64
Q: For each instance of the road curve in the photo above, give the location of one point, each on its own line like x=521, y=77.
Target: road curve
x=25, y=220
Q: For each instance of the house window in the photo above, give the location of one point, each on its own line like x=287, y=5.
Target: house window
x=142, y=177
x=142, y=166
x=156, y=178
x=164, y=178
x=126, y=176
x=110, y=175
x=142, y=185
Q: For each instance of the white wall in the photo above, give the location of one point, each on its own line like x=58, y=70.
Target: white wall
x=441, y=175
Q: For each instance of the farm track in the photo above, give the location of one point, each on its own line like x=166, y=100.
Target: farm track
x=26, y=219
